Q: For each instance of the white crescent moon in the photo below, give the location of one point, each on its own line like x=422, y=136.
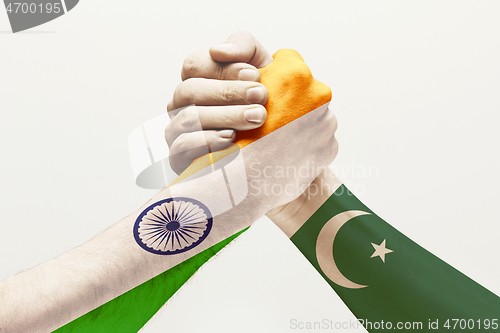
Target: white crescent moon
x=324, y=248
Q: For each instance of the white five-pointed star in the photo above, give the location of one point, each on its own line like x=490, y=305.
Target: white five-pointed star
x=380, y=251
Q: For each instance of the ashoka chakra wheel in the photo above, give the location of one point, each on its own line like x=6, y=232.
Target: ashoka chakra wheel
x=172, y=226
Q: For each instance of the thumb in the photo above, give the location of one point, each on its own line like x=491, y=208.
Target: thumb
x=241, y=46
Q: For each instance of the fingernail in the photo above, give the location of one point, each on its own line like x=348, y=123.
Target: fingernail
x=225, y=134
x=254, y=115
x=248, y=75
x=255, y=95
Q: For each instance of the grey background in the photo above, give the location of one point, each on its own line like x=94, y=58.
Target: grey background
x=415, y=92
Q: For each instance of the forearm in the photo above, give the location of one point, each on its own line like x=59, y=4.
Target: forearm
x=56, y=292
x=53, y=293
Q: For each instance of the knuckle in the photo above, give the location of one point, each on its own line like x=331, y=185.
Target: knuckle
x=170, y=107
x=335, y=146
x=329, y=121
x=229, y=94
x=182, y=94
x=173, y=151
x=187, y=120
x=335, y=123
x=221, y=71
x=179, y=147
x=191, y=65
x=226, y=120
x=189, y=146
x=173, y=155
x=244, y=34
x=334, y=149
x=177, y=164
x=169, y=134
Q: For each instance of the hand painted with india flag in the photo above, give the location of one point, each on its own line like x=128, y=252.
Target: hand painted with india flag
x=223, y=83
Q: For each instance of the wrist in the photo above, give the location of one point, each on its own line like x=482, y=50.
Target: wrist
x=291, y=216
